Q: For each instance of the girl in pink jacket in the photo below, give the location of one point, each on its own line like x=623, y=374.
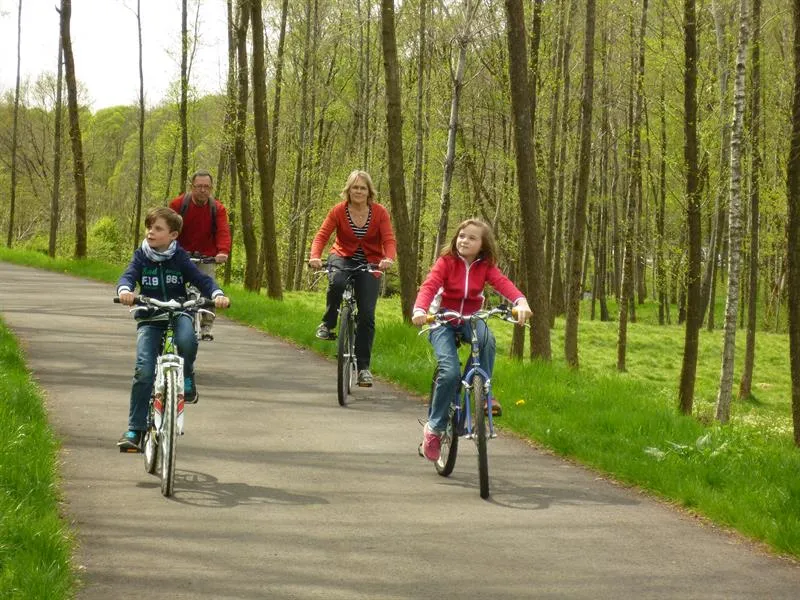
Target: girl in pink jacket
x=457, y=280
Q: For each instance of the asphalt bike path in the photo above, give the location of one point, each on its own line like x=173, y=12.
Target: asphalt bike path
x=281, y=493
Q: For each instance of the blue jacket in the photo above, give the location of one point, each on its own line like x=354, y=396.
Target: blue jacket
x=165, y=280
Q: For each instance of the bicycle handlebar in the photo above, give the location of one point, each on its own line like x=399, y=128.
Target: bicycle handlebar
x=199, y=258
x=438, y=319
x=170, y=305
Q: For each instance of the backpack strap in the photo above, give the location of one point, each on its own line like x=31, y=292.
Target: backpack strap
x=212, y=204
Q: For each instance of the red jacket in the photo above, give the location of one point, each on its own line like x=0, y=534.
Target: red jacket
x=378, y=243
x=461, y=285
x=196, y=233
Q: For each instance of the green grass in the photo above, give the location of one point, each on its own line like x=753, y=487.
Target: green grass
x=35, y=543
x=626, y=425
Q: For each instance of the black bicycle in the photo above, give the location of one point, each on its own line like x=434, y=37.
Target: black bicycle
x=347, y=364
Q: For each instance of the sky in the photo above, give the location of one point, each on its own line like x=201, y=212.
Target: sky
x=105, y=46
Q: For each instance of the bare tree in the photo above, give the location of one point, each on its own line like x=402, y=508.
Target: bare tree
x=575, y=289
x=526, y=178
x=694, y=308
x=14, y=129
x=394, y=146
x=78, y=171
x=734, y=223
x=793, y=231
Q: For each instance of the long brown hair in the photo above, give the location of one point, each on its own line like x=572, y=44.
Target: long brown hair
x=488, y=245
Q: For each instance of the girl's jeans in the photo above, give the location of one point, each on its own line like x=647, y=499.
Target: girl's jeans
x=366, y=287
x=148, y=346
x=448, y=382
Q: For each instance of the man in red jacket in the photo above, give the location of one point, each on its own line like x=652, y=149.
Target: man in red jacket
x=205, y=229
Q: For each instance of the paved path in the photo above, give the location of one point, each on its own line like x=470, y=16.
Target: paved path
x=280, y=493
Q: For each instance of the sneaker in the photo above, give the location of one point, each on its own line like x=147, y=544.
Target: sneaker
x=431, y=443
x=206, y=335
x=497, y=410
x=131, y=441
x=324, y=332
x=364, y=378
x=190, y=395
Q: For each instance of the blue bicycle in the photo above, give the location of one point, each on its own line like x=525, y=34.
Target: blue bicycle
x=468, y=416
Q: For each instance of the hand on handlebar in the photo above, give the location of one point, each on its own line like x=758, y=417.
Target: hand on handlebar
x=315, y=263
x=419, y=319
x=522, y=311
x=222, y=302
x=127, y=298
x=385, y=264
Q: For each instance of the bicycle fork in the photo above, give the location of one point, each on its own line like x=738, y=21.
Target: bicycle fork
x=166, y=365
x=466, y=427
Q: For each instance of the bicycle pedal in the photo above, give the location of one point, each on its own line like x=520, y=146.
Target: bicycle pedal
x=130, y=450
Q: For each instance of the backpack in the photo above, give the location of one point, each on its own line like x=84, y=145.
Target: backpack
x=212, y=203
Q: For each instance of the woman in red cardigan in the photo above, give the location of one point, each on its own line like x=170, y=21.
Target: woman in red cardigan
x=363, y=236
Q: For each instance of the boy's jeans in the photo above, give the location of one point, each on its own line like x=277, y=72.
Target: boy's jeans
x=443, y=340
x=148, y=345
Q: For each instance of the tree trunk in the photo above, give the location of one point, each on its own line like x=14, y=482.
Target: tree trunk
x=417, y=199
x=183, y=112
x=78, y=170
x=246, y=213
x=734, y=223
x=269, y=243
x=746, y=384
x=694, y=307
x=394, y=146
x=793, y=232
x=140, y=172
x=55, y=211
x=578, y=232
x=526, y=179
x=452, y=129
x=634, y=192
x=14, y=129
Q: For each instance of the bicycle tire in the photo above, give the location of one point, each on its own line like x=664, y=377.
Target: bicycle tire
x=169, y=434
x=449, y=444
x=345, y=355
x=150, y=444
x=479, y=433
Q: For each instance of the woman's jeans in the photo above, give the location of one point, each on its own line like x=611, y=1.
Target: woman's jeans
x=448, y=382
x=148, y=347
x=366, y=287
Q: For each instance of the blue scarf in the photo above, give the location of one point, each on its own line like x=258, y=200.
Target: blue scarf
x=156, y=255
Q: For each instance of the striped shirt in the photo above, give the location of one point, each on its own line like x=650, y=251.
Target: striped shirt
x=360, y=232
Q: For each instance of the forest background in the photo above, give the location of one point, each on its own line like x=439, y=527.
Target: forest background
x=648, y=123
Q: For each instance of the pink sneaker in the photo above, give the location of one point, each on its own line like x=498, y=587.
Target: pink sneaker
x=431, y=444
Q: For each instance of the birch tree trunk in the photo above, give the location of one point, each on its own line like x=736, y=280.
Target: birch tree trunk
x=734, y=222
x=140, y=171
x=183, y=111
x=584, y=160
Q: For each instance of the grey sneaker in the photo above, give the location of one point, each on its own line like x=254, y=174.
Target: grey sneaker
x=364, y=378
x=324, y=332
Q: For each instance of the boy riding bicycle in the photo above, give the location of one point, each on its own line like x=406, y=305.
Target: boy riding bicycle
x=161, y=269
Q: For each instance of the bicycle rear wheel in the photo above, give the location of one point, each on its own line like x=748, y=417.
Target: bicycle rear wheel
x=345, y=362
x=449, y=444
x=479, y=432
x=169, y=434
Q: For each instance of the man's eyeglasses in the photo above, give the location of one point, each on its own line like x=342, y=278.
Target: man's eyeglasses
x=201, y=187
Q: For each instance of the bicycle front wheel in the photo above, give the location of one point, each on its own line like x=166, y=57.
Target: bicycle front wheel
x=449, y=444
x=168, y=436
x=479, y=432
x=345, y=354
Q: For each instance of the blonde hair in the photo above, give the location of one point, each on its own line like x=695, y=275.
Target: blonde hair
x=488, y=251
x=351, y=179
